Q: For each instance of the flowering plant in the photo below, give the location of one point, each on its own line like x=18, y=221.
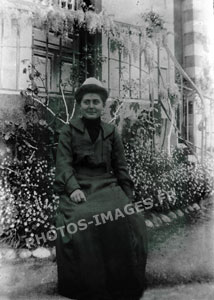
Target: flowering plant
x=170, y=182
x=154, y=23
x=27, y=201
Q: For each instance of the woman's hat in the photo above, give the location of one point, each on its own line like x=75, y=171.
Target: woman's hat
x=91, y=85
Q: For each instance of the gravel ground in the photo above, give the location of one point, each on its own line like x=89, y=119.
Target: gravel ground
x=197, y=291
x=183, y=252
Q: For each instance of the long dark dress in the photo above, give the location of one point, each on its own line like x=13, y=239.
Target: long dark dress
x=101, y=251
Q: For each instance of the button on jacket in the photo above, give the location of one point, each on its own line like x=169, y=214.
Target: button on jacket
x=76, y=153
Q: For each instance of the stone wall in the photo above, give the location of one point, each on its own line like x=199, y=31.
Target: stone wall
x=12, y=107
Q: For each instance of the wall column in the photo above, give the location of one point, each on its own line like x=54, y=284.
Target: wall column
x=198, y=56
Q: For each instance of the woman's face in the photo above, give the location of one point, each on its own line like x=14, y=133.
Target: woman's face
x=91, y=106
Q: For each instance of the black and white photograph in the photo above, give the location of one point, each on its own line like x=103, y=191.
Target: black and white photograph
x=106, y=149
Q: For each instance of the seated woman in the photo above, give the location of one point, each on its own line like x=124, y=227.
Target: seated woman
x=101, y=250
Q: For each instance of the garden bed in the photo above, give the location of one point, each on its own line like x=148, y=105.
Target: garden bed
x=166, y=186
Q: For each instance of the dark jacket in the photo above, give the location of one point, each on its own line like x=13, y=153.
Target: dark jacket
x=76, y=152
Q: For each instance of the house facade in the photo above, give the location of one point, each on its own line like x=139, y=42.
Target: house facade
x=127, y=75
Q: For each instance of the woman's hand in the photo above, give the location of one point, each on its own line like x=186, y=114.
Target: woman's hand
x=78, y=196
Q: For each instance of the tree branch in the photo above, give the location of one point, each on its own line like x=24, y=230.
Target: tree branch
x=116, y=113
x=65, y=104
x=50, y=110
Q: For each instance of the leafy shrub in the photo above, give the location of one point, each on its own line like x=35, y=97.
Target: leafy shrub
x=30, y=139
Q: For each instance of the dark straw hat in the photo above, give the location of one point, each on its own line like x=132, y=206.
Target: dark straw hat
x=91, y=85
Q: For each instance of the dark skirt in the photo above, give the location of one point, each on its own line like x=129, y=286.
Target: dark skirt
x=101, y=244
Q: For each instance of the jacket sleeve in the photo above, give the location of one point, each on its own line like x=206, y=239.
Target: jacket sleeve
x=65, y=180
x=119, y=166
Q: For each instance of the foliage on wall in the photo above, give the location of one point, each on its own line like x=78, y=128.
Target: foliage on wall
x=63, y=21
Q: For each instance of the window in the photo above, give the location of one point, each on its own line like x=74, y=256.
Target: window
x=44, y=67
x=54, y=57
x=67, y=4
x=68, y=59
x=126, y=71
